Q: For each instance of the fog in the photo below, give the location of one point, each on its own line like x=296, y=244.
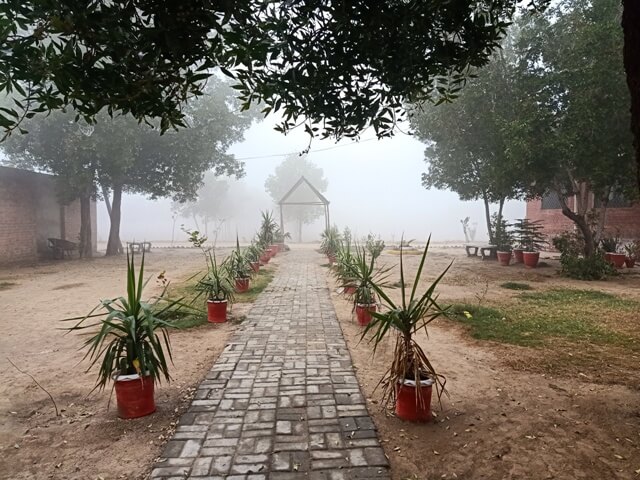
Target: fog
x=374, y=187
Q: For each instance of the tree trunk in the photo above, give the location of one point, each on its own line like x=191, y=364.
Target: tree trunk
x=86, y=244
x=300, y=230
x=631, y=60
x=487, y=214
x=581, y=222
x=114, y=247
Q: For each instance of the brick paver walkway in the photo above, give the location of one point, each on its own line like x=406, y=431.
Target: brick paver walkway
x=282, y=401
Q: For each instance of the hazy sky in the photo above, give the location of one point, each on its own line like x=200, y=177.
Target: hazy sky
x=374, y=186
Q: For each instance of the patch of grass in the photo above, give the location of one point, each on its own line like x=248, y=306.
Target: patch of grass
x=516, y=286
x=6, y=285
x=573, y=315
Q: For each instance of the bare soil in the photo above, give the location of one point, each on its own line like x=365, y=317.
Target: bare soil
x=508, y=414
x=86, y=441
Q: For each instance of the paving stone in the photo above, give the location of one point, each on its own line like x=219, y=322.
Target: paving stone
x=282, y=401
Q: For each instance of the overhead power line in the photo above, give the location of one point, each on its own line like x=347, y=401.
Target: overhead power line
x=311, y=151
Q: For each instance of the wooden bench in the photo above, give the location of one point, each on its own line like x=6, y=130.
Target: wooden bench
x=60, y=247
x=486, y=250
x=139, y=247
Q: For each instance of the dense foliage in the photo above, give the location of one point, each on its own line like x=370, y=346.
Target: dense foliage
x=340, y=66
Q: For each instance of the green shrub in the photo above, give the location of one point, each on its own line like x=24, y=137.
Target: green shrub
x=594, y=267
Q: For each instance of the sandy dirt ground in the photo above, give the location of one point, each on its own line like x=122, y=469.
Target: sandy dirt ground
x=86, y=441
x=501, y=422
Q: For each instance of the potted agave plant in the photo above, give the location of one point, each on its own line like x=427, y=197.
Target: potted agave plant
x=239, y=268
x=252, y=255
x=343, y=268
x=266, y=235
x=610, y=246
x=409, y=381
x=365, y=272
x=633, y=250
x=216, y=284
x=532, y=241
x=129, y=339
x=503, y=238
x=330, y=243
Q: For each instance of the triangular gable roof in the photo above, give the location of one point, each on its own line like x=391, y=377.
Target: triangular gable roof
x=322, y=198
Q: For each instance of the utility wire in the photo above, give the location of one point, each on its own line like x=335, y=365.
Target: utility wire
x=311, y=151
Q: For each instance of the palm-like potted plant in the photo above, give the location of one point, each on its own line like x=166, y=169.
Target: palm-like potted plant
x=610, y=245
x=633, y=251
x=216, y=284
x=239, y=268
x=267, y=234
x=409, y=381
x=532, y=241
x=129, y=339
x=330, y=243
x=252, y=254
x=343, y=268
x=503, y=238
x=364, y=272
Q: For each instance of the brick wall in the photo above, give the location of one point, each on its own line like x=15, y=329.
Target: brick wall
x=17, y=218
x=624, y=222
x=30, y=213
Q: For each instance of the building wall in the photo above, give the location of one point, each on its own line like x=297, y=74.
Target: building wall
x=624, y=222
x=30, y=214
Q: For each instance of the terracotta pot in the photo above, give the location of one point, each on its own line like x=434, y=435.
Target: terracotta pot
x=349, y=289
x=242, y=285
x=530, y=259
x=255, y=266
x=504, y=258
x=408, y=407
x=618, y=259
x=217, y=311
x=134, y=396
x=363, y=313
x=273, y=250
x=517, y=255
x=264, y=258
x=629, y=262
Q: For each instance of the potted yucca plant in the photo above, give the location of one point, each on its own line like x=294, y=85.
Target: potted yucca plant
x=364, y=272
x=633, y=251
x=218, y=288
x=239, y=268
x=409, y=381
x=330, y=243
x=129, y=339
x=253, y=254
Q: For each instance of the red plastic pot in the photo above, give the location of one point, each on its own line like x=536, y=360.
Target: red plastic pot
x=264, y=258
x=504, y=258
x=275, y=248
x=242, y=285
x=217, y=311
x=255, y=266
x=607, y=257
x=332, y=259
x=629, y=262
x=363, y=313
x=618, y=259
x=135, y=396
x=408, y=406
x=530, y=259
x=517, y=255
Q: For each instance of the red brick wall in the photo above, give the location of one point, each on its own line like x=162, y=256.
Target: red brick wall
x=624, y=222
x=30, y=213
x=17, y=218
